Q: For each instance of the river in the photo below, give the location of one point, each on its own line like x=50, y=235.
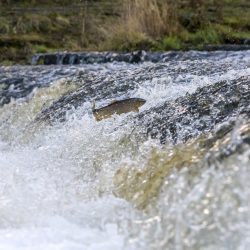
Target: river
x=69, y=182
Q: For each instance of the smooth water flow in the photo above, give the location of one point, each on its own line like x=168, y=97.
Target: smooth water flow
x=75, y=183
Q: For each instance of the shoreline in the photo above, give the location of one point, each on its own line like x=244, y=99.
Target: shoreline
x=137, y=56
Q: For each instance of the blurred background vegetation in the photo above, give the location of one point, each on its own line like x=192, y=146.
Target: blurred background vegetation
x=28, y=27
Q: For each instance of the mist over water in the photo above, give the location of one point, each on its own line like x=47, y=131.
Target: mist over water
x=83, y=184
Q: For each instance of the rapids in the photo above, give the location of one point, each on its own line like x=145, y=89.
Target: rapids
x=69, y=182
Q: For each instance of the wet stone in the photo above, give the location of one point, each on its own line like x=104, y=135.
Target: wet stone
x=172, y=119
x=197, y=115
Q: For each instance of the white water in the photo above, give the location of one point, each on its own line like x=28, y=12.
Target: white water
x=57, y=186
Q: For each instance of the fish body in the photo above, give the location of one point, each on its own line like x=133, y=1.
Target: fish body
x=118, y=107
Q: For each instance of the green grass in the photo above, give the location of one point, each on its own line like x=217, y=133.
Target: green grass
x=171, y=43
x=207, y=35
x=25, y=33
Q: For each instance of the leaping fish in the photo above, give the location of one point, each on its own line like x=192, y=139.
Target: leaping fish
x=118, y=107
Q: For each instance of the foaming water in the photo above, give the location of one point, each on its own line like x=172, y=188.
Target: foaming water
x=203, y=209
x=83, y=184
x=60, y=184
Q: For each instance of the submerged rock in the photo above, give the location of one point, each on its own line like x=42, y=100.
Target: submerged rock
x=174, y=121
x=93, y=87
x=190, y=115
x=20, y=82
x=141, y=185
x=173, y=118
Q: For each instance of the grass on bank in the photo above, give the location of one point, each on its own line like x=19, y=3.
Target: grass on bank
x=122, y=26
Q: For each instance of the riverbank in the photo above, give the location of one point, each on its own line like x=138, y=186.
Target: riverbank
x=29, y=28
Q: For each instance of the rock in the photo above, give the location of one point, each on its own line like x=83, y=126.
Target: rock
x=90, y=57
x=191, y=115
x=72, y=58
x=50, y=59
x=228, y=47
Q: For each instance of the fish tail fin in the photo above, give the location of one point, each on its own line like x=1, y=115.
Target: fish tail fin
x=93, y=105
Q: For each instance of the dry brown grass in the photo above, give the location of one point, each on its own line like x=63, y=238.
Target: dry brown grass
x=154, y=18
x=141, y=24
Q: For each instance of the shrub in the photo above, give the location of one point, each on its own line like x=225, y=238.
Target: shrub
x=171, y=43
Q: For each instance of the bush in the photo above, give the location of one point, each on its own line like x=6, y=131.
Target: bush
x=171, y=43
x=207, y=35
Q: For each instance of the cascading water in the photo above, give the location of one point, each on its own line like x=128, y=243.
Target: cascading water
x=70, y=182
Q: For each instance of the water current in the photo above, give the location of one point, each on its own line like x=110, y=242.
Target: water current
x=75, y=183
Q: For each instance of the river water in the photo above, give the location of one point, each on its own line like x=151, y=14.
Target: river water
x=75, y=183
